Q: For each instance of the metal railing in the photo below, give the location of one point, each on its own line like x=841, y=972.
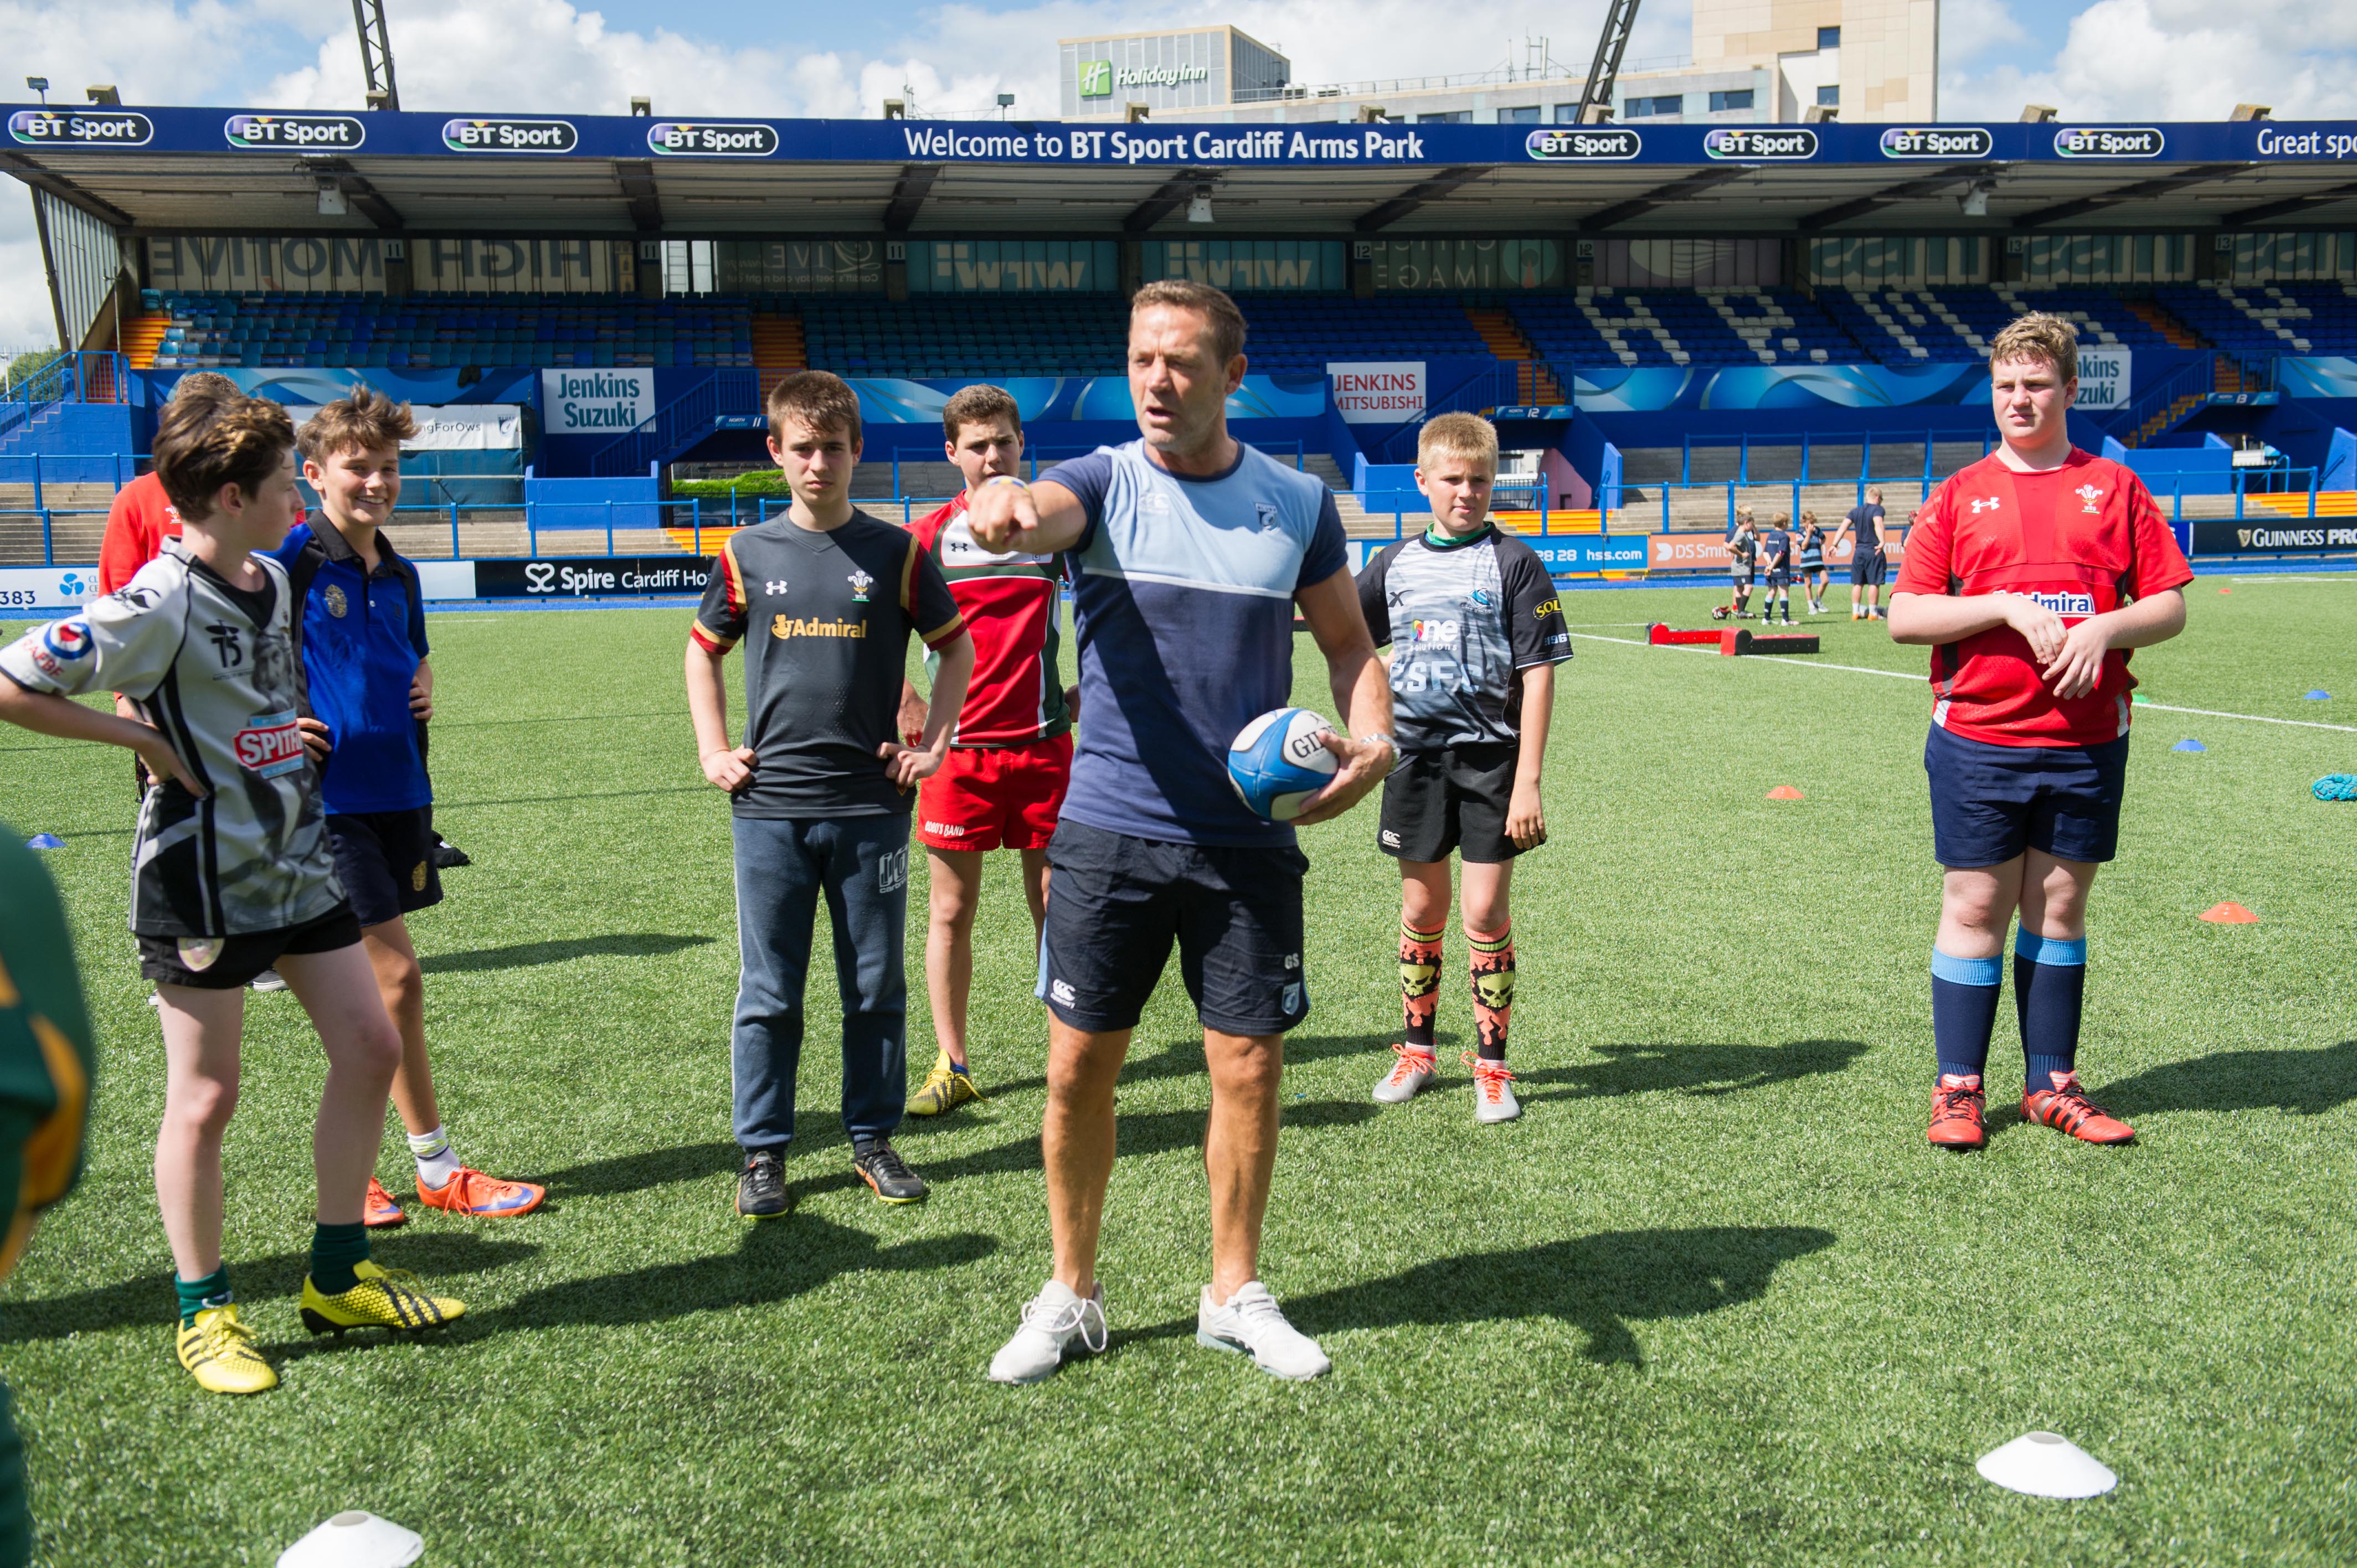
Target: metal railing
x=694, y=413
x=1808, y=442
x=40, y=469
x=95, y=375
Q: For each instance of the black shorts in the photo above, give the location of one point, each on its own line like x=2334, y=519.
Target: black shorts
x=1115, y=903
x=1991, y=802
x=1808, y=567
x=1867, y=568
x=1742, y=581
x=1452, y=798
x=385, y=860
x=227, y=963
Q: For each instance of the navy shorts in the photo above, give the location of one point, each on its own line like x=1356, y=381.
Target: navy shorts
x=1867, y=568
x=1989, y=804
x=1116, y=903
x=385, y=861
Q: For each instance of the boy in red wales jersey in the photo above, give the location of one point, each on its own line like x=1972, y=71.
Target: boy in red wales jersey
x=1002, y=785
x=2030, y=574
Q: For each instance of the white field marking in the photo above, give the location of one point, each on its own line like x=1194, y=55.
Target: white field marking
x=1900, y=675
x=2255, y=718
x=2348, y=581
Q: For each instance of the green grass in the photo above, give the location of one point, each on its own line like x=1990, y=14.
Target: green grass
x=1711, y=1301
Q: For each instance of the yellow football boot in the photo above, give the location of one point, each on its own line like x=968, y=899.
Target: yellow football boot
x=218, y=1350
x=384, y=1298
x=945, y=1089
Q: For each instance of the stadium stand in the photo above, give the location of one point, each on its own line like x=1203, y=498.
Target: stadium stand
x=273, y=330
x=2269, y=318
x=1951, y=325
x=1018, y=334
x=1682, y=326
x=1294, y=334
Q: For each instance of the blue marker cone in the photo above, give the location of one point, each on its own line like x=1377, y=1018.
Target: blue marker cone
x=2188, y=744
x=2320, y=695
x=45, y=840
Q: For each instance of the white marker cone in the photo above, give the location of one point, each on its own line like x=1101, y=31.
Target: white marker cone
x=2045, y=1464
x=355, y=1539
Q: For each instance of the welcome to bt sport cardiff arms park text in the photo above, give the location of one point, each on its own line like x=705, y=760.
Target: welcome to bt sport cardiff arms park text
x=1123, y=147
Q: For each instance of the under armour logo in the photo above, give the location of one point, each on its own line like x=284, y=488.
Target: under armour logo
x=2090, y=495
x=775, y=585
x=1980, y=505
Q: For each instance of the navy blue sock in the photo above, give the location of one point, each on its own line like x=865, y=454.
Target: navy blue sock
x=1964, y=1010
x=2049, y=989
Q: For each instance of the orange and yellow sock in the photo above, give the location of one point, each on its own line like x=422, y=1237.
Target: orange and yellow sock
x=1493, y=988
x=1419, y=968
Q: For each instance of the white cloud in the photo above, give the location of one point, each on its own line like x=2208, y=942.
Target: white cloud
x=2171, y=60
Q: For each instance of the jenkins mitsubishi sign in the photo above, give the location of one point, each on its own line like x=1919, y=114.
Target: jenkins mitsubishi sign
x=1378, y=391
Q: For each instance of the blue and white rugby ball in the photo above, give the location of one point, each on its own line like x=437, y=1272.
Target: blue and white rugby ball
x=1278, y=760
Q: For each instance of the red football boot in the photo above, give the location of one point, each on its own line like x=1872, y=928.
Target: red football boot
x=2066, y=1106
x=379, y=1210
x=1957, y=1112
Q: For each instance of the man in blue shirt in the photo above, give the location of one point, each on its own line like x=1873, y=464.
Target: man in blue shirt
x=1188, y=552
x=360, y=619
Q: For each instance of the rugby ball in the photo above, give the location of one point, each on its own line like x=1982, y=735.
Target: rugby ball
x=1278, y=760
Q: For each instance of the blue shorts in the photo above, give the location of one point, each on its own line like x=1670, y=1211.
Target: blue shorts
x=1115, y=904
x=385, y=860
x=1989, y=804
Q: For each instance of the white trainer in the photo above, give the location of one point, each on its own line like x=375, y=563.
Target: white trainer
x=1413, y=1069
x=1051, y=1321
x=267, y=980
x=1253, y=1324
x=1493, y=1095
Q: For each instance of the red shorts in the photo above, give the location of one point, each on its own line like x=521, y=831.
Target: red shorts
x=996, y=798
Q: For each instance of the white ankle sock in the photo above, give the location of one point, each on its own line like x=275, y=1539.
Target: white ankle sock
x=436, y=1161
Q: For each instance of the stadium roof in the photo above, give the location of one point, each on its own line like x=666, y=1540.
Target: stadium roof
x=224, y=171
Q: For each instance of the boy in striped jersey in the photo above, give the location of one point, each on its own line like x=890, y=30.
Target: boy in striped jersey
x=233, y=871
x=1002, y=784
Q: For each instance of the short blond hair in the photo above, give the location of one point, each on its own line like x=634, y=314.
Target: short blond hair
x=2037, y=338
x=1458, y=435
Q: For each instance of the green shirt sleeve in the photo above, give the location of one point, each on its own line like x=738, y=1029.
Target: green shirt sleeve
x=46, y=1059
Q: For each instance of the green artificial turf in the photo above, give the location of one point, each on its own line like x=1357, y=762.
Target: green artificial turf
x=1712, y=1300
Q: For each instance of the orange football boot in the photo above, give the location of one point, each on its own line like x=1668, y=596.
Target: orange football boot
x=378, y=1210
x=2066, y=1106
x=469, y=1191
x=1957, y=1112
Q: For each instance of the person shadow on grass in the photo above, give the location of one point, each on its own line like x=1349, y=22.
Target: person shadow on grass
x=2303, y=1083
x=1599, y=1284
x=1699, y=1069
x=773, y=1261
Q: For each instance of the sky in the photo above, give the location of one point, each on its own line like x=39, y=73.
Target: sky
x=2127, y=59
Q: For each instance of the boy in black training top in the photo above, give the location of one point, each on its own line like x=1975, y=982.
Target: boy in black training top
x=1477, y=629
x=822, y=787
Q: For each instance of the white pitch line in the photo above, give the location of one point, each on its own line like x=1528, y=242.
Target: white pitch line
x=2255, y=718
x=1900, y=675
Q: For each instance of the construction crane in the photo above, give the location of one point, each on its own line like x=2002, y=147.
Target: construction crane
x=376, y=54
x=1604, y=73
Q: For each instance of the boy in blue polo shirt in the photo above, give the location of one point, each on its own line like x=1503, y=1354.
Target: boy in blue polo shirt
x=361, y=629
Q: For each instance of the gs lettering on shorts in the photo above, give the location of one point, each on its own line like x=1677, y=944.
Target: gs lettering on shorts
x=892, y=870
x=270, y=744
x=2065, y=604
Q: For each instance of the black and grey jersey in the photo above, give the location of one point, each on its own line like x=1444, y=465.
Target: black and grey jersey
x=1463, y=618
x=214, y=668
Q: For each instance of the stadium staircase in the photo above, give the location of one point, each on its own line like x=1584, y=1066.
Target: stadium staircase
x=777, y=347
x=2156, y=317
x=142, y=335
x=1534, y=384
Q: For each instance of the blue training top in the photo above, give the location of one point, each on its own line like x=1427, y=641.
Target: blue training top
x=1182, y=593
x=362, y=635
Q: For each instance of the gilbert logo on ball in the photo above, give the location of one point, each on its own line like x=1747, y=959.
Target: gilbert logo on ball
x=1278, y=760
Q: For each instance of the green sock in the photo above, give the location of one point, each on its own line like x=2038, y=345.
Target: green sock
x=334, y=1249
x=198, y=1294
